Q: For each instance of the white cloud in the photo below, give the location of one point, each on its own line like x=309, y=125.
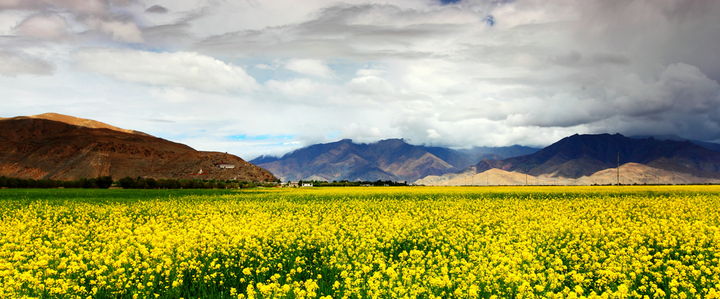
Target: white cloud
x=9, y=20
x=123, y=31
x=370, y=72
x=263, y=66
x=441, y=74
x=691, y=90
x=58, y=19
x=48, y=26
x=297, y=87
x=433, y=134
x=362, y=132
x=91, y=7
x=13, y=64
x=173, y=95
x=309, y=67
x=370, y=85
x=179, y=69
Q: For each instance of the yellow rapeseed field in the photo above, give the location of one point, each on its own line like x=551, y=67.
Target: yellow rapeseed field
x=404, y=242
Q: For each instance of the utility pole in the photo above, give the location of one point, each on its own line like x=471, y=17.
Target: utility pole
x=618, y=168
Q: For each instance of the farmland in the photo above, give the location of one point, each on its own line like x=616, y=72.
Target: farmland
x=386, y=242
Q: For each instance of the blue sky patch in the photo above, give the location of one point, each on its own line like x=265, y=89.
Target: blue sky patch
x=258, y=137
x=490, y=20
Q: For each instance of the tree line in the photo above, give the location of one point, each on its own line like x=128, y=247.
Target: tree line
x=150, y=183
x=105, y=182
x=346, y=183
x=101, y=182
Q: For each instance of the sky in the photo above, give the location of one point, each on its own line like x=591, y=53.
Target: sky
x=265, y=77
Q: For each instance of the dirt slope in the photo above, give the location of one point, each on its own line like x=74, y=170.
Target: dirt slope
x=630, y=174
x=53, y=146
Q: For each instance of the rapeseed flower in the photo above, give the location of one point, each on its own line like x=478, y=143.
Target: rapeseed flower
x=579, y=242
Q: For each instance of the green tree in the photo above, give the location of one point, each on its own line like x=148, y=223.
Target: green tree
x=127, y=183
x=104, y=182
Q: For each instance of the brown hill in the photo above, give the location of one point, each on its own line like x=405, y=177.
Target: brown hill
x=491, y=177
x=634, y=173
x=54, y=146
x=630, y=174
x=80, y=122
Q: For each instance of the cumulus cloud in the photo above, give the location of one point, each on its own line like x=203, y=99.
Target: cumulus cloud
x=47, y=26
x=90, y=7
x=311, y=67
x=297, y=87
x=362, y=132
x=433, y=134
x=13, y=64
x=681, y=100
x=179, y=69
x=365, y=31
x=370, y=85
x=472, y=73
x=10, y=19
x=124, y=31
x=690, y=89
x=57, y=19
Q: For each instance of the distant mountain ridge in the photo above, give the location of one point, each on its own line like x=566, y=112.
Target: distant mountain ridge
x=61, y=147
x=571, y=157
x=582, y=155
x=708, y=145
x=478, y=153
x=390, y=159
x=344, y=160
x=55, y=146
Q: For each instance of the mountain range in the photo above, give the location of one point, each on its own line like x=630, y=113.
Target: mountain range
x=478, y=153
x=573, y=158
x=708, y=145
x=54, y=146
x=390, y=159
x=61, y=147
x=582, y=155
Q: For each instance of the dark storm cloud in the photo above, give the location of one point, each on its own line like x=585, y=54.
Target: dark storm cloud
x=656, y=32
